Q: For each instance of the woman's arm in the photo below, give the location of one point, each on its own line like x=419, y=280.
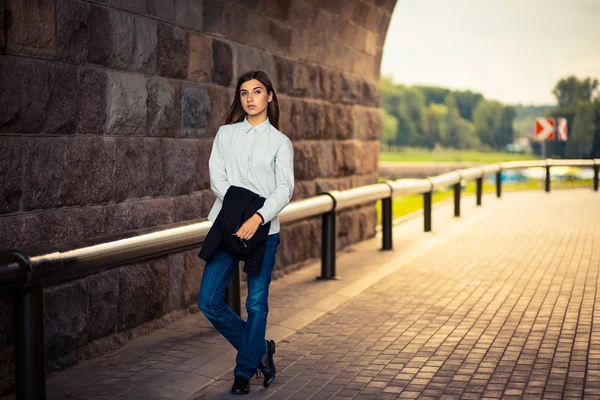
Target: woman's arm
x=216, y=167
x=284, y=176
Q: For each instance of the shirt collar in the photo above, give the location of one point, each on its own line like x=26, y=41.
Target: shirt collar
x=259, y=128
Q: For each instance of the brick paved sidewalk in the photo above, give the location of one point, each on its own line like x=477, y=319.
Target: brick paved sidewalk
x=504, y=309
x=178, y=361
x=486, y=304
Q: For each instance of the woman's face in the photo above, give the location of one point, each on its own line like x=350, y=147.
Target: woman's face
x=254, y=98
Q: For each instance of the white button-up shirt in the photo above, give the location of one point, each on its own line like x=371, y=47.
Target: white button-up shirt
x=258, y=158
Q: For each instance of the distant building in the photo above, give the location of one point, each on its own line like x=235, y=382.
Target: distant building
x=520, y=145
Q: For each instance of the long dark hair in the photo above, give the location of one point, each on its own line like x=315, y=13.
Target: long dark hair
x=236, y=112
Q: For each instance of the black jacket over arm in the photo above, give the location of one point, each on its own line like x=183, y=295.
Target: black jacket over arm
x=239, y=204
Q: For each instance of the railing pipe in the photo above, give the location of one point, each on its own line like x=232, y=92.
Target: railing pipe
x=91, y=255
x=410, y=186
x=306, y=208
x=441, y=182
x=572, y=163
x=523, y=164
x=596, y=173
x=457, y=189
x=499, y=184
x=361, y=195
x=30, y=371
x=479, y=182
x=386, y=223
x=548, y=179
x=490, y=169
x=427, y=199
x=387, y=219
x=471, y=173
x=328, y=243
x=427, y=211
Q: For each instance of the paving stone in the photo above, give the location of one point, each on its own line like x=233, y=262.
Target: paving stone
x=163, y=9
x=200, y=57
x=163, y=108
x=10, y=170
x=32, y=27
x=189, y=14
x=172, y=53
x=195, y=110
x=126, y=96
x=38, y=97
x=92, y=95
x=222, y=63
x=65, y=172
x=100, y=36
x=72, y=31
x=134, y=6
x=138, y=168
x=102, y=310
x=143, y=293
x=133, y=42
x=66, y=319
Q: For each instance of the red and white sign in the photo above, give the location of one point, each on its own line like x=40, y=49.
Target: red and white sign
x=544, y=128
x=562, y=129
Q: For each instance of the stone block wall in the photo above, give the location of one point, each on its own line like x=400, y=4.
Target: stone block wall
x=108, y=109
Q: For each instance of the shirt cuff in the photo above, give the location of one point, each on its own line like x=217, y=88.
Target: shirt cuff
x=261, y=217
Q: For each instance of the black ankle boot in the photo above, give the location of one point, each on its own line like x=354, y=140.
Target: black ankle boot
x=241, y=385
x=267, y=365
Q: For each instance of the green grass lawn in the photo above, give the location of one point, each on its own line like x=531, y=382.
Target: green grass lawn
x=404, y=205
x=452, y=155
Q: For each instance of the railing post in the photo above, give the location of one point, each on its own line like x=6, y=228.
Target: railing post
x=30, y=369
x=232, y=293
x=427, y=211
x=547, y=178
x=479, y=189
x=386, y=223
x=457, y=199
x=596, y=170
x=499, y=184
x=328, y=236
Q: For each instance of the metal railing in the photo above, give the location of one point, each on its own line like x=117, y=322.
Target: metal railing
x=25, y=272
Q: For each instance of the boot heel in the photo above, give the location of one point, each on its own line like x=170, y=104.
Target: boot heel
x=273, y=343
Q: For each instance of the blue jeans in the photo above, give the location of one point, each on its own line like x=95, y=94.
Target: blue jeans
x=248, y=337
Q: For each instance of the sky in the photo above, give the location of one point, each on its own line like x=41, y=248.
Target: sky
x=513, y=51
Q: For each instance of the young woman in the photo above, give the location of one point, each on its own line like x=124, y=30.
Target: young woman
x=249, y=152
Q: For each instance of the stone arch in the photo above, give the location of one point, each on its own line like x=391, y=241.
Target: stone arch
x=107, y=113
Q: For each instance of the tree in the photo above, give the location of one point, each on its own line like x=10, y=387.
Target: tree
x=435, y=125
x=556, y=148
x=404, y=104
x=466, y=101
x=504, y=129
x=389, y=128
x=596, y=145
x=453, y=118
x=407, y=129
x=570, y=91
x=390, y=96
x=433, y=94
x=466, y=138
x=581, y=140
x=486, y=117
x=588, y=89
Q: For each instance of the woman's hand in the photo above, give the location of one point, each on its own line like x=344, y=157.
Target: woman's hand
x=248, y=228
